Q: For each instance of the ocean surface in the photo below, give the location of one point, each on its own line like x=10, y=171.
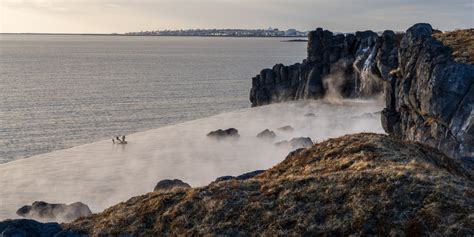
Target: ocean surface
x=60, y=91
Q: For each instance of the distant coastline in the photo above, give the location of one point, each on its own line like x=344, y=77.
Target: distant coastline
x=129, y=35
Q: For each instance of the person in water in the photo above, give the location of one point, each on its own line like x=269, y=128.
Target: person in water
x=123, y=138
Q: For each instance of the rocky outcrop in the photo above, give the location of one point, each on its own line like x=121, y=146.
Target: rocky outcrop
x=351, y=65
x=355, y=185
x=430, y=98
x=46, y=212
x=169, y=185
x=221, y=134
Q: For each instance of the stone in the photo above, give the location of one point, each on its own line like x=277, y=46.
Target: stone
x=170, y=185
x=287, y=128
x=300, y=142
x=56, y=212
x=227, y=133
x=266, y=134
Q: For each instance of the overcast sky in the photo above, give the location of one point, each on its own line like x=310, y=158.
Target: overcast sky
x=118, y=16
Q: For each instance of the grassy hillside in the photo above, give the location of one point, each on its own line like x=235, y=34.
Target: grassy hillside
x=365, y=184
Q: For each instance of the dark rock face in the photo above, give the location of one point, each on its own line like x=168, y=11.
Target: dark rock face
x=43, y=211
x=430, y=97
x=351, y=65
x=168, y=185
x=266, y=134
x=240, y=177
x=31, y=228
x=227, y=133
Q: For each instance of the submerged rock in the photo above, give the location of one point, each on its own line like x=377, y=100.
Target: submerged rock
x=360, y=185
x=227, y=133
x=430, y=98
x=266, y=134
x=170, y=185
x=55, y=212
x=287, y=128
x=295, y=143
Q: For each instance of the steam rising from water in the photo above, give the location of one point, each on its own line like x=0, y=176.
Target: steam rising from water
x=102, y=174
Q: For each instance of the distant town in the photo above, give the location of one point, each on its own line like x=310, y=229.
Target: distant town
x=270, y=32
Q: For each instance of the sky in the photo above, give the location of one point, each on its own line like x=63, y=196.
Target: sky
x=120, y=16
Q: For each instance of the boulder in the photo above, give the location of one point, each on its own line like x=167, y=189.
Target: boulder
x=55, y=212
x=227, y=133
x=170, y=185
x=295, y=143
x=287, y=128
x=301, y=142
x=430, y=97
x=266, y=134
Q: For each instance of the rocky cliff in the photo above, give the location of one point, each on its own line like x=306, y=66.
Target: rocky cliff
x=352, y=65
x=430, y=97
x=363, y=184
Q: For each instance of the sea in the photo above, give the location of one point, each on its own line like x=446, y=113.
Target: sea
x=61, y=91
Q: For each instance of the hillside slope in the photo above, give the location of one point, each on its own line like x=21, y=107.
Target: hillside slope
x=355, y=184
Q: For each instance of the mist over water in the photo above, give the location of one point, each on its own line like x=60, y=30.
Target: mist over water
x=59, y=91
x=102, y=174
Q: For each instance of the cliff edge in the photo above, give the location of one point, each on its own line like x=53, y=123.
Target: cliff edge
x=430, y=97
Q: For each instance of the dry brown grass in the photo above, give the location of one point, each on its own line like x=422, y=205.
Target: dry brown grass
x=462, y=43
x=362, y=184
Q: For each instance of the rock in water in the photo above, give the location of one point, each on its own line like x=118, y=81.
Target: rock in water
x=295, y=143
x=54, y=212
x=266, y=134
x=430, y=98
x=287, y=128
x=227, y=133
x=355, y=185
x=169, y=185
x=301, y=142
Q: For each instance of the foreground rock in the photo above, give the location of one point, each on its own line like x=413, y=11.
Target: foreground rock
x=430, y=98
x=170, y=185
x=352, y=65
x=31, y=228
x=227, y=133
x=54, y=212
x=363, y=184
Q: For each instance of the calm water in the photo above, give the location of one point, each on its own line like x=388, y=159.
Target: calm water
x=60, y=91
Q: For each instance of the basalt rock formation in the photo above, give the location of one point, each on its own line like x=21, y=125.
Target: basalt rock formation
x=430, y=97
x=360, y=185
x=352, y=65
